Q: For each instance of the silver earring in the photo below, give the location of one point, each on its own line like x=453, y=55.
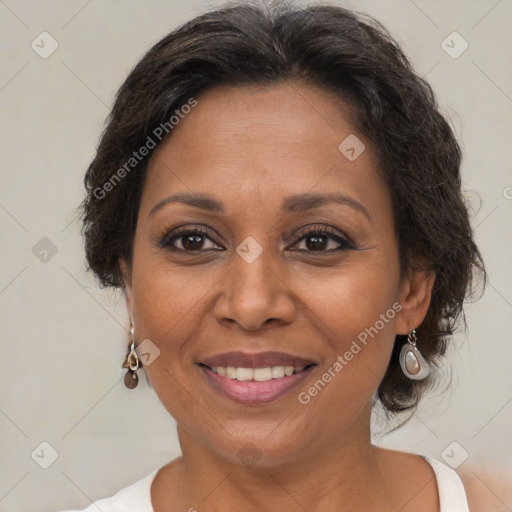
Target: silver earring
x=131, y=379
x=412, y=362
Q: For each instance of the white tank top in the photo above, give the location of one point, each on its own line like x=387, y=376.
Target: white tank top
x=452, y=496
x=137, y=497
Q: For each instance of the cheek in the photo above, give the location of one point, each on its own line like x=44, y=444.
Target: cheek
x=355, y=309
x=355, y=305
x=352, y=298
x=168, y=310
x=167, y=297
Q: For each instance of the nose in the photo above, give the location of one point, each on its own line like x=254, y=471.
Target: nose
x=254, y=295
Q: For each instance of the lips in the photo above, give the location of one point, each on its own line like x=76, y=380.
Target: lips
x=255, y=378
x=255, y=360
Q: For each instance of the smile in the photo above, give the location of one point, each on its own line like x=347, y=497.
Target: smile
x=256, y=374
x=255, y=378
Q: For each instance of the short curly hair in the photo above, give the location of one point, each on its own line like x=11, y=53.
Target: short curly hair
x=342, y=52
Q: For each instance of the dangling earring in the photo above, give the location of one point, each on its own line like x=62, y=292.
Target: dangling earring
x=412, y=362
x=131, y=378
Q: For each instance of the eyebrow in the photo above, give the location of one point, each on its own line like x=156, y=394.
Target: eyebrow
x=202, y=201
x=291, y=204
x=303, y=202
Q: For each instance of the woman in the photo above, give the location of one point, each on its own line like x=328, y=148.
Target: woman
x=279, y=199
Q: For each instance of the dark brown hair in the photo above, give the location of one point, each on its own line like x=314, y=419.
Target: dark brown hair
x=348, y=54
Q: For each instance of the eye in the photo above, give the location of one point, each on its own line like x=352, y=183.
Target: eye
x=196, y=239
x=189, y=240
x=322, y=239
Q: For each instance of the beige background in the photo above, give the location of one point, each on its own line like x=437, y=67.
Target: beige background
x=63, y=339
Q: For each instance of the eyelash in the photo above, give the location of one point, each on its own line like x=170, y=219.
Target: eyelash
x=345, y=242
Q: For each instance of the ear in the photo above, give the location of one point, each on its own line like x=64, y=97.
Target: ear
x=127, y=289
x=414, y=297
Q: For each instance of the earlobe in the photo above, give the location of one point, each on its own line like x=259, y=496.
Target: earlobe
x=415, y=296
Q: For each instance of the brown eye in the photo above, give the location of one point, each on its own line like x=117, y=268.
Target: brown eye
x=322, y=239
x=188, y=240
x=316, y=242
x=192, y=241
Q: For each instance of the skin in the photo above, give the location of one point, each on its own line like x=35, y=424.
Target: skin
x=251, y=147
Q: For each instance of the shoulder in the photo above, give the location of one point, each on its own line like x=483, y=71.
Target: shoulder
x=487, y=489
x=432, y=484
x=410, y=478
x=134, y=498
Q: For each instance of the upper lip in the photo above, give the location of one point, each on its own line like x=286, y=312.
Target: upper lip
x=255, y=360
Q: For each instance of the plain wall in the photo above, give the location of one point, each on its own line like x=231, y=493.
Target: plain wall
x=63, y=339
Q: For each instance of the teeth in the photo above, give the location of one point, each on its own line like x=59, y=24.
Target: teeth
x=256, y=374
x=244, y=373
x=277, y=372
x=261, y=374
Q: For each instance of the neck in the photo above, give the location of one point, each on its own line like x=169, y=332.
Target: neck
x=341, y=474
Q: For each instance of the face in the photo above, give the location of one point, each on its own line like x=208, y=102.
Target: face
x=259, y=244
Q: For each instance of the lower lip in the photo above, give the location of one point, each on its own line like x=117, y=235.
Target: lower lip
x=254, y=392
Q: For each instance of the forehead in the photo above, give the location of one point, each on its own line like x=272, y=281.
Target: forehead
x=259, y=143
